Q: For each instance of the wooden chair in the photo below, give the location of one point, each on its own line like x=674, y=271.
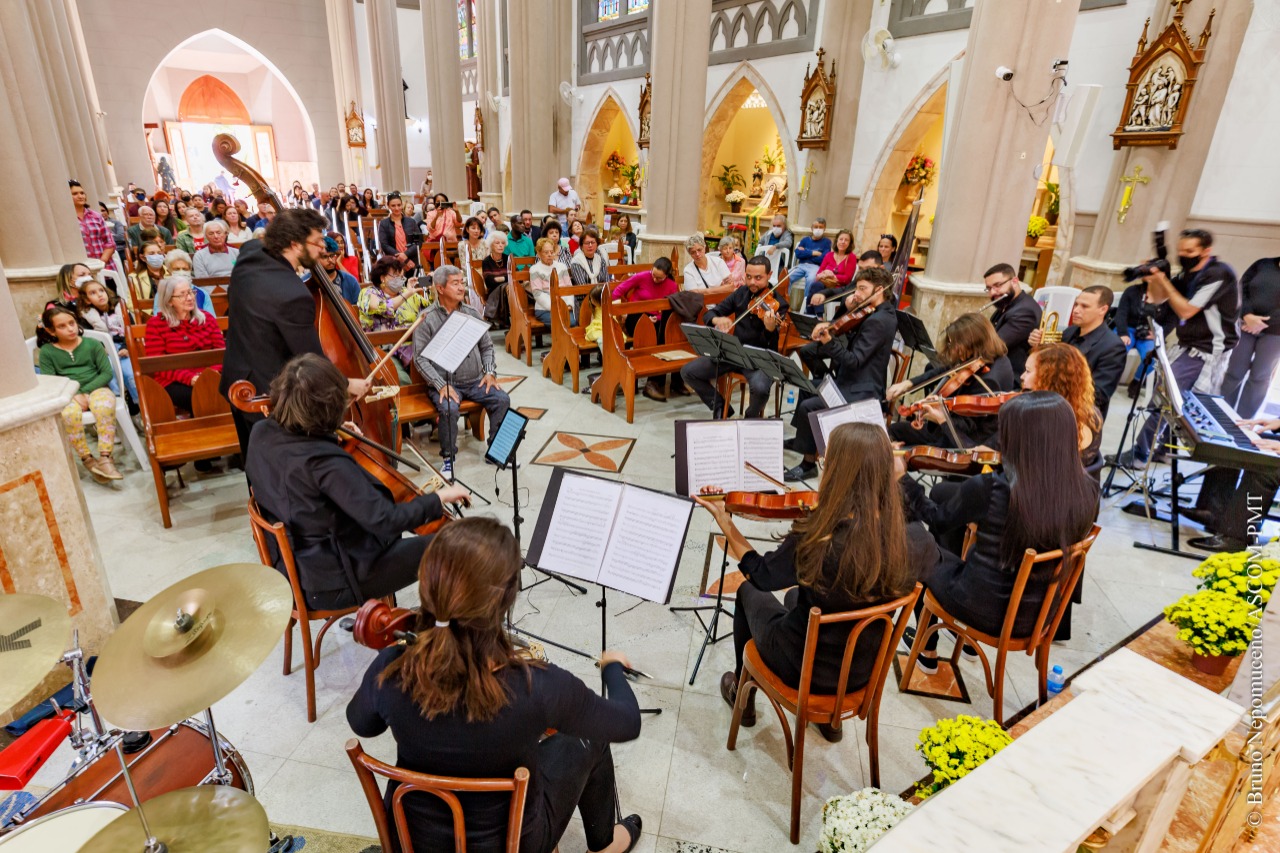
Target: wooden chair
x=1062, y=582
x=568, y=340
x=446, y=788
x=301, y=614
x=524, y=326
x=831, y=709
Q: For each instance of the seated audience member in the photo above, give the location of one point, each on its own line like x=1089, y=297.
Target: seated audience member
x=732, y=257
x=237, y=231
x=178, y=263
x=658, y=282
x=166, y=217
x=101, y=310
x=779, y=236
x=623, y=231
x=540, y=279
x=703, y=271
x=493, y=221
x=347, y=284
x=887, y=247
x=576, y=229
x=476, y=378
x=85, y=361
x=1101, y=347
x=266, y=212
x=519, y=243
x=192, y=240
x=810, y=251
x=216, y=209
x=551, y=231
x=143, y=282
x=495, y=272
x=136, y=197
x=589, y=265
x=835, y=273
x=399, y=234
x=443, y=223
x=1042, y=499
x=216, y=258
x=178, y=326
x=344, y=525
x=67, y=287
x=472, y=240
x=369, y=200
x=465, y=699
x=392, y=302
x=854, y=551
x=595, y=328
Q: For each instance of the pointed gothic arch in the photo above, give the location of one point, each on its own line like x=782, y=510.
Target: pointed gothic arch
x=609, y=120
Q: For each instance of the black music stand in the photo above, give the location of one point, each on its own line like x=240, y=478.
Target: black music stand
x=723, y=348
x=915, y=337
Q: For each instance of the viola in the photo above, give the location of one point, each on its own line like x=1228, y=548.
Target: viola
x=379, y=625
x=853, y=318
x=926, y=458
x=980, y=405
x=966, y=371
x=765, y=304
x=793, y=504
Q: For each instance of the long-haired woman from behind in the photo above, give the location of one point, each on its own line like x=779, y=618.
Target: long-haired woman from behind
x=1062, y=369
x=1042, y=499
x=853, y=551
x=464, y=700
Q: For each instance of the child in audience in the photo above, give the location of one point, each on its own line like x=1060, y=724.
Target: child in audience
x=595, y=328
x=85, y=361
x=100, y=309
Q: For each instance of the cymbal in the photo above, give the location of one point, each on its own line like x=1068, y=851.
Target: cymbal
x=191, y=645
x=204, y=819
x=35, y=630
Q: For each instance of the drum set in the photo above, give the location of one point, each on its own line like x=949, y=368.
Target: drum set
x=165, y=781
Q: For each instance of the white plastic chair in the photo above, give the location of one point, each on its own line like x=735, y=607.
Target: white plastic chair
x=776, y=261
x=124, y=423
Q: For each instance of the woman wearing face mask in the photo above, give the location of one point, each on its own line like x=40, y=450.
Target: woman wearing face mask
x=142, y=284
x=391, y=302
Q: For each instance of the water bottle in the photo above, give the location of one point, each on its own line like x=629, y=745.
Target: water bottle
x=791, y=396
x=1055, y=681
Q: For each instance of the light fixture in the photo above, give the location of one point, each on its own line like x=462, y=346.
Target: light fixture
x=755, y=101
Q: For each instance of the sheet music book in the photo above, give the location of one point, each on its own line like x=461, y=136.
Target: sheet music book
x=830, y=393
x=713, y=453
x=625, y=537
x=824, y=421
x=459, y=334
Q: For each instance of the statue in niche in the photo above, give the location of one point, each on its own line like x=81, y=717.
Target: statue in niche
x=757, y=179
x=817, y=101
x=815, y=117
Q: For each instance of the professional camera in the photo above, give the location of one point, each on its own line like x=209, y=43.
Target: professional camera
x=1160, y=263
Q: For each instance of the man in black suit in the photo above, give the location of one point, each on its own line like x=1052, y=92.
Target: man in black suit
x=271, y=314
x=1100, y=346
x=1017, y=315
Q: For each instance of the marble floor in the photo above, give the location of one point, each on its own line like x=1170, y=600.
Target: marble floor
x=692, y=793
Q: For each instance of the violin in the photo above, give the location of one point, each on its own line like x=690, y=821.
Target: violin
x=795, y=504
x=961, y=375
x=379, y=625
x=964, y=405
x=926, y=458
x=853, y=318
x=766, y=303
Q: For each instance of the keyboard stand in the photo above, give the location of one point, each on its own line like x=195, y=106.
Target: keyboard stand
x=1174, y=528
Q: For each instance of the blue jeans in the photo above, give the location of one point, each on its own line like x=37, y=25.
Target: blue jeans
x=806, y=273
x=126, y=372
x=545, y=316
x=495, y=402
x=1143, y=348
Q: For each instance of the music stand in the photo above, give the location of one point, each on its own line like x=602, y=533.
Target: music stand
x=915, y=337
x=804, y=323
x=722, y=348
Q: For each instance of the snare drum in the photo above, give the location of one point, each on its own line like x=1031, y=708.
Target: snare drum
x=180, y=756
x=68, y=829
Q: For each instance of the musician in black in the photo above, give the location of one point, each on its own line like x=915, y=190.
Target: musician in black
x=271, y=314
x=758, y=328
x=1016, y=316
x=1101, y=347
x=1233, y=515
x=969, y=337
x=859, y=361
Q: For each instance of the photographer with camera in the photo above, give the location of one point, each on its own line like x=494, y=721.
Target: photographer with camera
x=1205, y=298
x=399, y=235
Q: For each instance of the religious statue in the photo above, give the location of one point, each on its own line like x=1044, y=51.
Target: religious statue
x=645, y=111
x=757, y=179
x=474, y=152
x=167, y=179
x=1161, y=79
x=815, y=117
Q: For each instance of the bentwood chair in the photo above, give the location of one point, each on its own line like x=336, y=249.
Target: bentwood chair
x=446, y=788
x=301, y=615
x=1062, y=576
x=809, y=707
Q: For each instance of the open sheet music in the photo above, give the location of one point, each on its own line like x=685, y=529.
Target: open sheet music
x=713, y=453
x=624, y=537
x=824, y=421
x=830, y=393
x=459, y=334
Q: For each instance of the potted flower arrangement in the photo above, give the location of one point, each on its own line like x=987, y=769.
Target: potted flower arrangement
x=954, y=748
x=735, y=199
x=1054, y=196
x=630, y=173
x=772, y=159
x=1036, y=226
x=853, y=823
x=1244, y=574
x=1216, y=625
x=921, y=170
x=616, y=193
x=614, y=164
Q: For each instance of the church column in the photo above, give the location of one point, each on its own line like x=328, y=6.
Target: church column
x=828, y=185
x=1173, y=176
x=341, y=18
x=541, y=59
x=679, y=38
x=983, y=205
x=32, y=166
x=388, y=95
x=489, y=67
x=444, y=98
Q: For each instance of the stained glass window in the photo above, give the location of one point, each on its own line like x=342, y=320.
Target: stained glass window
x=466, y=29
x=609, y=9
x=637, y=6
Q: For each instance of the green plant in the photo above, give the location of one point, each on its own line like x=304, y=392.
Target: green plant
x=629, y=173
x=1244, y=574
x=730, y=178
x=854, y=823
x=1054, y=197
x=1036, y=226
x=1214, y=623
x=770, y=158
x=954, y=748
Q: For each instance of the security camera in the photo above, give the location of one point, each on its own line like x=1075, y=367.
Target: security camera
x=1004, y=73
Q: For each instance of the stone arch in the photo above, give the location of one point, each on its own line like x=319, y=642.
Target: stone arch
x=589, y=179
x=724, y=105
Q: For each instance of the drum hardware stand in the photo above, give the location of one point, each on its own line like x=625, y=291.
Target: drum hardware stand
x=220, y=775
x=152, y=844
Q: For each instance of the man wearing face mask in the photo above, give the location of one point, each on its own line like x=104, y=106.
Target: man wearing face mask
x=809, y=254
x=779, y=237
x=1205, y=299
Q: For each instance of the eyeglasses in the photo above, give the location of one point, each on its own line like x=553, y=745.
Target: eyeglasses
x=998, y=284
x=318, y=245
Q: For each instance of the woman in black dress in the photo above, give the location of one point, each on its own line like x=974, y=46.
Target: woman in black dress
x=464, y=700
x=854, y=551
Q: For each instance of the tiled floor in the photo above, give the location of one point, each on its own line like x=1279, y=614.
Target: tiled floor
x=692, y=793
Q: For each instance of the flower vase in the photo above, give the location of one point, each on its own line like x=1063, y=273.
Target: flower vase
x=1210, y=664
x=735, y=206
x=1031, y=241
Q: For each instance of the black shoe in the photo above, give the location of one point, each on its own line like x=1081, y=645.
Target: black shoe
x=728, y=416
x=928, y=665
x=800, y=473
x=830, y=733
x=1200, y=516
x=789, y=444
x=633, y=825
x=1216, y=542
x=204, y=466
x=729, y=692
x=1135, y=388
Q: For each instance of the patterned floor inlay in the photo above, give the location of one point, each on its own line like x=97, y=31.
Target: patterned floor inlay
x=510, y=383
x=732, y=577
x=530, y=412
x=946, y=683
x=585, y=452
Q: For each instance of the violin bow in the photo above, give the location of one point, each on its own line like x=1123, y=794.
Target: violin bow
x=376, y=446
x=762, y=475
x=422, y=315
x=919, y=385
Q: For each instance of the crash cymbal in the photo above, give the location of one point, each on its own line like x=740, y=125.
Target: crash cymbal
x=204, y=819
x=35, y=630
x=191, y=645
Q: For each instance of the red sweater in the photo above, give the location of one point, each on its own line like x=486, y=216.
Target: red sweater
x=163, y=339
x=844, y=271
